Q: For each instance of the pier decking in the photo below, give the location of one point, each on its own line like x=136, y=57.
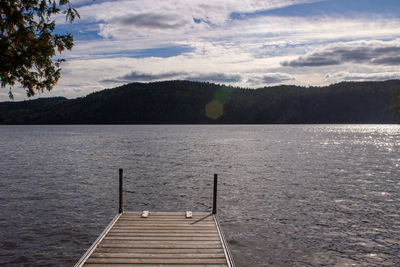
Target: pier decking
x=160, y=239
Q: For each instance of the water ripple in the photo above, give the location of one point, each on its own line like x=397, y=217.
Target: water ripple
x=302, y=195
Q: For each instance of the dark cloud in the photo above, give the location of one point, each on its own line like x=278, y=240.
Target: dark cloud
x=277, y=78
x=110, y=80
x=151, y=21
x=387, y=61
x=357, y=55
x=367, y=54
x=214, y=77
x=73, y=85
x=135, y=76
x=315, y=60
x=389, y=49
x=272, y=78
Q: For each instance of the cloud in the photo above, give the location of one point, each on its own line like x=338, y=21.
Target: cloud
x=135, y=76
x=395, y=60
x=373, y=53
x=215, y=77
x=314, y=60
x=325, y=8
x=276, y=78
x=123, y=17
x=151, y=21
x=152, y=40
x=271, y=78
x=349, y=76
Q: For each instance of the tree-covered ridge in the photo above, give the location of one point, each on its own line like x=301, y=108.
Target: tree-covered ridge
x=185, y=102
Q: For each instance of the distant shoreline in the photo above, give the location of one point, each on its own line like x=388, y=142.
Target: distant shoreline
x=186, y=102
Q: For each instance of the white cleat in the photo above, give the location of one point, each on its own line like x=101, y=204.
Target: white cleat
x=145, y=214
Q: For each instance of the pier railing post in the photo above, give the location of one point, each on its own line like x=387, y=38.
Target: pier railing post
x=121, y=208
x=214, y=211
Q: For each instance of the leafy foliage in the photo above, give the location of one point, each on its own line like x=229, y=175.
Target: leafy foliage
x=395, y=108
x=28, y=43
x=180, y=102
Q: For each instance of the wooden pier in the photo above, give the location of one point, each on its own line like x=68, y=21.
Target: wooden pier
x=160, y=239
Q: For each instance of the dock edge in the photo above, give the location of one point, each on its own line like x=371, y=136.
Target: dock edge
x=97, y=241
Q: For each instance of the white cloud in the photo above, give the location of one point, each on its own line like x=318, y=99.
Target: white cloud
x=351, y=76
x=216, y=12
x=253, y=48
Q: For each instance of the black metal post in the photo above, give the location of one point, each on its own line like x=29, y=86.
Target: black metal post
x=214, y=211
x=121, y=208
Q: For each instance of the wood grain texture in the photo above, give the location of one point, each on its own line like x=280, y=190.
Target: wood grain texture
x=159, y=256
x=152, y=265
x=161, y=251
x=161, y=239
x=155, y=261
x=160, y=234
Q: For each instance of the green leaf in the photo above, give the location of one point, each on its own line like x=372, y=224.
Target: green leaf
x=28, y=43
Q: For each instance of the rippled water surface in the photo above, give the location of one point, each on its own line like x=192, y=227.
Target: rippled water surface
x=303, y=195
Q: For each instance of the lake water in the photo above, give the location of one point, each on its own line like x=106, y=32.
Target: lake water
x=289, y=195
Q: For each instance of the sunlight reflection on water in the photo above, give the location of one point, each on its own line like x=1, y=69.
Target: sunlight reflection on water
x=301, y=195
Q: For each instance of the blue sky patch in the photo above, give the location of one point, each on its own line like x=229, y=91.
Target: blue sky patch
x=198, y=21
x=159, y=52
x=91, y=2
x=162, y=52
x=388, y=8
x=82, y=31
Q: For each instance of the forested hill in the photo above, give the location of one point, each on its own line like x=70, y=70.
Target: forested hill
x=194, y=102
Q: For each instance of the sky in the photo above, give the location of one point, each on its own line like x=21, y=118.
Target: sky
x=246, y=43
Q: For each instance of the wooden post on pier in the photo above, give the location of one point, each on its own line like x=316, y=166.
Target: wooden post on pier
x=121, y=200
x=160, y=239
x=214, y=211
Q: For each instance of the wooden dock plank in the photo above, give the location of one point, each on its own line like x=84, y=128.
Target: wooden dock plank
x=161, y=239
x=158, y=242
x=169, y=223
x=156, y=261
x=152, y=265
x=166, y=214
x=166, y=219
x=167, y=234
x=165, y=230
x=160, y=246
x=165, y=227
x=158, y=256
x=165, y=251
